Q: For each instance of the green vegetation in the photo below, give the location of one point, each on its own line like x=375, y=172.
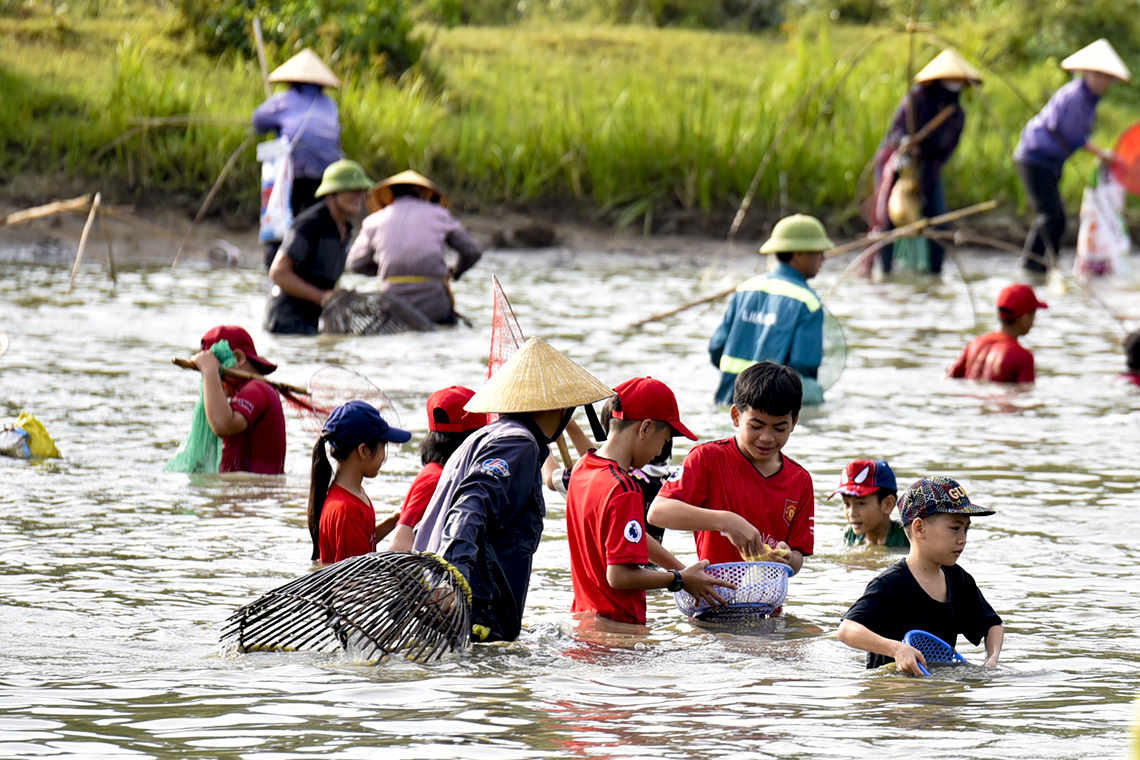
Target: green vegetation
x=614, y=123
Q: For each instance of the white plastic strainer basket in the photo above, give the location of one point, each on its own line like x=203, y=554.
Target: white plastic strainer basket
x=761, y=588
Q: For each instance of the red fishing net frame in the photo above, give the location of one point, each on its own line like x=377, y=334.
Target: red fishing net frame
x=1126, y=169
x=506, y=335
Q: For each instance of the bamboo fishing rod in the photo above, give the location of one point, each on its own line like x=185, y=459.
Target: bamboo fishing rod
x=296, y=390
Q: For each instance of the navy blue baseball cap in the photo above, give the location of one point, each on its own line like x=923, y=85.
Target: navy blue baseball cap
x=359, y=422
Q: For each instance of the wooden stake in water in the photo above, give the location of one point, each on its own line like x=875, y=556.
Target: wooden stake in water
x=110, y=250
x=83, y=239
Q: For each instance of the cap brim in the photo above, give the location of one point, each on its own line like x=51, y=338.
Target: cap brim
x=680, y=429
x=856, y=491
x=396, y=435
x=263, y=366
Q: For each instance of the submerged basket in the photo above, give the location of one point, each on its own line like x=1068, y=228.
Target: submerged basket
x=352, y=313
x=935, y=650
x=761, y=588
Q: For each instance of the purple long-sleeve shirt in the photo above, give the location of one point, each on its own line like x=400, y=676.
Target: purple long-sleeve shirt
x=286, y=112
x=1060, y=128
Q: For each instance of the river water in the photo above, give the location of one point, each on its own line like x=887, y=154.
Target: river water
x=116, y=576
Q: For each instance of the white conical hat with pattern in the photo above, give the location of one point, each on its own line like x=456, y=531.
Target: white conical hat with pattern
x=307, y=68
x=1099, y=56
x=537, y=378
x=948, y=65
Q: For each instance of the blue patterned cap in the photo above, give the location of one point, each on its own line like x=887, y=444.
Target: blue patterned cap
x=937, y=494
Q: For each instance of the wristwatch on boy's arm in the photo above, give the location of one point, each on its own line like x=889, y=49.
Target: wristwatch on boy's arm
x=677, y=584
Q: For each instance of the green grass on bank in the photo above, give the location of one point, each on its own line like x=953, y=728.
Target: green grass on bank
x=618, y=123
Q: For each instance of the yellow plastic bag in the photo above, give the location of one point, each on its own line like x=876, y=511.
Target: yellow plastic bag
x=39, y=441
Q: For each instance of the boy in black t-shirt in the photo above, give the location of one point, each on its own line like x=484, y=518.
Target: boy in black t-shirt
x=926, y=591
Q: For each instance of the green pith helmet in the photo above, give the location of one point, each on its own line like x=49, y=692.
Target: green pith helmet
x=798, y=232
x=341, y=176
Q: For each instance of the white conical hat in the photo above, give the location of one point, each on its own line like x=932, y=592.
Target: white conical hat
x=381, y=195
x=948, y=65
x=1099, y=56
x=537, y=378
x=305, y=67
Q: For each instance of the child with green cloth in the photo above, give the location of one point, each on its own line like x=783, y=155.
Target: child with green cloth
x=869, y=494
x=927, y=591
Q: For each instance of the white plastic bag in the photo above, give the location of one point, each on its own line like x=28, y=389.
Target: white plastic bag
x=1103, y=242
x=276, y=157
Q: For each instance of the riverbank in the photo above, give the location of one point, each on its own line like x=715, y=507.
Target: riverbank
x=657, y=131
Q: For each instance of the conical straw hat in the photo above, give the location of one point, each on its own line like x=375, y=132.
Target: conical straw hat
x=1099, y=56
x=948, y=65
x=537, y=378
x=381, y=195
x=307, y=68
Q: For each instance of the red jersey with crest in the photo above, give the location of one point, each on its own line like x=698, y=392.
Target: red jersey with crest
x=261, y=446
x=716, y=475
x=605, y=525
x=996, y=357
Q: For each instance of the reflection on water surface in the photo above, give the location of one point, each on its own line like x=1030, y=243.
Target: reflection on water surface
x=117, y=575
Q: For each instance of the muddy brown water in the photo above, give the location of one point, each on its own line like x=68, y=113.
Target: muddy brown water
x=116, y=576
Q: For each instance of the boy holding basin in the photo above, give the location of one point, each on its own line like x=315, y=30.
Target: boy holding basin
x=744, y=498
x=605, y=512
x=869, y=494
x=927, y=591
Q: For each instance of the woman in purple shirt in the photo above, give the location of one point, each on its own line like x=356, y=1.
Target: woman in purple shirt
x=1054, y=134
x=308, y=117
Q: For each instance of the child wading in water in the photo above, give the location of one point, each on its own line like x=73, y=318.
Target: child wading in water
x=342, y=520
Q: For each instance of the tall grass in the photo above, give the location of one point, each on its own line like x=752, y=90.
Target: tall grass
x=618, y=123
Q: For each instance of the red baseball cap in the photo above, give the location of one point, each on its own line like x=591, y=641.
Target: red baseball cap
x=865, y=476
x=644, y=398
x=446, y=414
x=239, y=340
x=1018, y=300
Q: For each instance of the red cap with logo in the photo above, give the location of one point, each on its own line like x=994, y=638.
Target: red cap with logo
x=239, y=340
x=1018, y=300
x=446, y=413
x=644, y=398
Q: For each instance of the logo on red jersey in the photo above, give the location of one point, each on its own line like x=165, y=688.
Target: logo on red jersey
x=633, y=532
x=676, y=474
x=790, y=508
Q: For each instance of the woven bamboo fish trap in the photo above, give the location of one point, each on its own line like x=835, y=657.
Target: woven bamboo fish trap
x=350, y=312
x=372, y=606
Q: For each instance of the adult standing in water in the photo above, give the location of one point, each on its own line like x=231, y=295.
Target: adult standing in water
x=1054, y=134
x=312, y=255
x=404, y=241
x=308, y=117
x=938, y=86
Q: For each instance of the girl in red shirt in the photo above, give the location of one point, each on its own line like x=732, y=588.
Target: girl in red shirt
x=342, y=521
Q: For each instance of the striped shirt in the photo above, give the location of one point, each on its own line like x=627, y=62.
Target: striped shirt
x=408, y=238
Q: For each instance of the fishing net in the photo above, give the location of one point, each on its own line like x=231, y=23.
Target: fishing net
x=506, y=335
x=331, y=386
x=371, y=606
x=834, y=351
x=201, y=451
x=761, y=588
x=376, y=313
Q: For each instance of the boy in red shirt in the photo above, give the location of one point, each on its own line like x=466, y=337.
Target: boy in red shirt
x=245, y=414
x=605, y=512
x=997, y=356
x=741, y=496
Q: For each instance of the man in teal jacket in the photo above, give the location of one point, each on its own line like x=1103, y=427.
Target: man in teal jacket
x=775, y=316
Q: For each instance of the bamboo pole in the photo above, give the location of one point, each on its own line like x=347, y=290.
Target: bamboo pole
x=210, y=196
x=260, y=40
x=243, y=375
x=876, y=240
x=50, y=209
x=83, y=239
x=110, y=249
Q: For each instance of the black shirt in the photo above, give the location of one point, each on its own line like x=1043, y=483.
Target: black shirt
x=318, y=252
x=894, y=603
